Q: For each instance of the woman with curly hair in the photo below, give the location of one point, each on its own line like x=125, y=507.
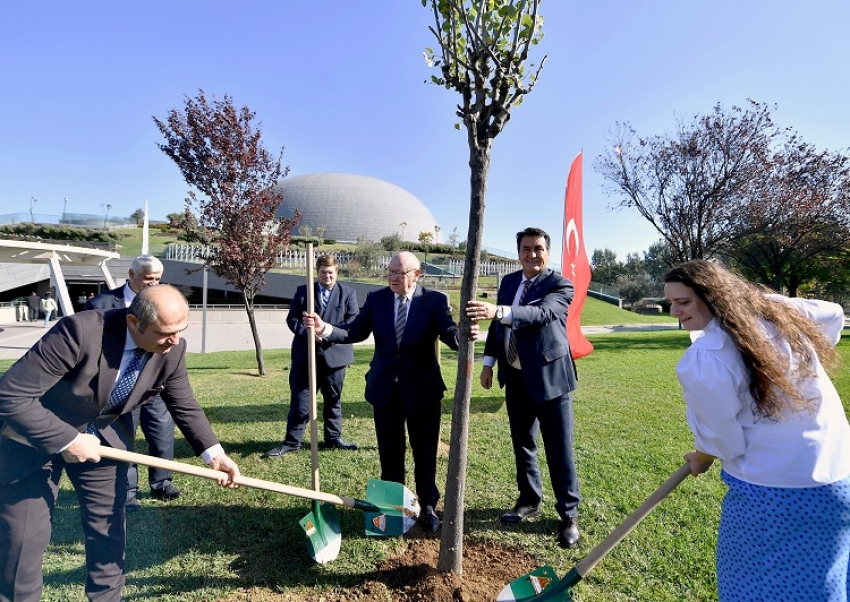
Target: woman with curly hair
x=759, y=399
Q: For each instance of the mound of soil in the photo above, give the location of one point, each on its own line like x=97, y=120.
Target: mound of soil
x=413, y=577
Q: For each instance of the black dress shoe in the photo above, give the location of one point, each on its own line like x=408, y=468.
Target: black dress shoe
x=132, y=504
x=568, y=534
x=281, y=450
x=341, y=444
x=519, y=513
x=429, y=520
x=167, y=493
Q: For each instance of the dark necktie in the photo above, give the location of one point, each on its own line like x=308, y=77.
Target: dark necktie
x=401, y=319
x=122, y=387
x=512, y=352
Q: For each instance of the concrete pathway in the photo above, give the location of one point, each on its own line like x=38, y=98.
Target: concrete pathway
x=17, y=337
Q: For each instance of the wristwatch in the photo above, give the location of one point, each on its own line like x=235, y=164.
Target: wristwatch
x=500, y=312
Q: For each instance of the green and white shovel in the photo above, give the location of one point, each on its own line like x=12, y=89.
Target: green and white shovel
x=542, y=584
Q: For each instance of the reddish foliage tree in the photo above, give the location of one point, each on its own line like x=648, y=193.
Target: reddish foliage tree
x=219, y=152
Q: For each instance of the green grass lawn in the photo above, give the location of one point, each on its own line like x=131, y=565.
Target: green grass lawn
x=630, y=436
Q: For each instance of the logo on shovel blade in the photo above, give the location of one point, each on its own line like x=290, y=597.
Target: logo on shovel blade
x=539, y=583
x=310, y=528
x=380, y=522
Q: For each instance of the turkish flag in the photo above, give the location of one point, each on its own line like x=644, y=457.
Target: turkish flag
x=574, y=264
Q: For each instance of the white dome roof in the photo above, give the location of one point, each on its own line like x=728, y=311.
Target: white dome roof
x=351, y=206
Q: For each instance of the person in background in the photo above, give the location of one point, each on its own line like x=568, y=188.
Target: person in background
x=157, y=424
x=527, y=338
x=336, y=303
x=33, y=306
x=759, y=399
x=74, y=391
x=49, y=307
x=404, y=383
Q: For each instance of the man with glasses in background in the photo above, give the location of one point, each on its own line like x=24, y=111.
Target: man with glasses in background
x=404, y=383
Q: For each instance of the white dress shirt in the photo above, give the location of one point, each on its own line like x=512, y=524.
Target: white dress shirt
x=801, y=449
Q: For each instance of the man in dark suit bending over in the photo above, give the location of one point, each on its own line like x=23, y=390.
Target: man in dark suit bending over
x=72, y=392
x=336, y=303
x=156, y=422
x=528, y=340
x=404, y=383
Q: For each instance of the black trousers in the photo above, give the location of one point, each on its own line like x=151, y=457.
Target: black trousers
x=554, y=420
x=423, y=429
x=26, y=512
x=329, y=382
x=158, y=430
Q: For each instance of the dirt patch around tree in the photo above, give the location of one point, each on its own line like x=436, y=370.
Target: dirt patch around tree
x=413, y=577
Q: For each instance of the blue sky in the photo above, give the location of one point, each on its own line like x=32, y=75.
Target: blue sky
x=339, y=84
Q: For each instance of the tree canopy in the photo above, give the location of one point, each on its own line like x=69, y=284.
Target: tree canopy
x=219, y=151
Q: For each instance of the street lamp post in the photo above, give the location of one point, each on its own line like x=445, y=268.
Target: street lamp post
x=32, y=215
x=65, y=211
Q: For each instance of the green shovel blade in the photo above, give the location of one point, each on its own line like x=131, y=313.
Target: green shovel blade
x=323, y=532
x=540, y=584
x=397, y=509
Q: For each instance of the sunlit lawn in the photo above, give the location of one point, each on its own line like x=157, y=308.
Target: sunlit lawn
x=630, y=436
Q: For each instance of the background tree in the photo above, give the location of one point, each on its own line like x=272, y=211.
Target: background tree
x=604, y=266
x=219, y=152
x=138, y=216
x=797, y=212
x=687, y=184
x=482, y=50
x=367, y=254
x=425, y=239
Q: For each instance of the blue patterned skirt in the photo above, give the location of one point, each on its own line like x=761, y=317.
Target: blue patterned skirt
x=778, y=544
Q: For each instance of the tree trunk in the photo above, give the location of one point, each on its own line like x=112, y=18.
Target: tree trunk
x=258, y=346
x=451, y=542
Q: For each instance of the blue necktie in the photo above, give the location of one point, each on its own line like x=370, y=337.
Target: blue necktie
x=324, y=295
x=122, y=387
x=401, y=319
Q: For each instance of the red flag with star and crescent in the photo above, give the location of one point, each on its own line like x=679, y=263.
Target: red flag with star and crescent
x=574, y=264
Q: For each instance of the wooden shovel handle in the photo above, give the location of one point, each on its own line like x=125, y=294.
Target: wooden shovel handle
x=217, y=475
x=311, y=371
x=601, y=551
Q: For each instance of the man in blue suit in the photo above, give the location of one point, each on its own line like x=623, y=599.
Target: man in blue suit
x=404, y=383
x=528, y=340
x=336, y=303
x=157, y=424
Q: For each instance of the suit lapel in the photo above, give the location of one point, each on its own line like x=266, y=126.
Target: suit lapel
x=114, y=337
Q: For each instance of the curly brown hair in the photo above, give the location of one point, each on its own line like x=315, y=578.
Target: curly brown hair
x=739, y=307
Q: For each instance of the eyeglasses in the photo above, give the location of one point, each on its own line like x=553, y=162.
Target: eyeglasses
x=399, y=273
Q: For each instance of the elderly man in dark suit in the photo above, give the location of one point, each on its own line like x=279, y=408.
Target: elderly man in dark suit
x=72, y=392
x=336, y=303
x=156, y=422
x=404, y=383
x=528, y=340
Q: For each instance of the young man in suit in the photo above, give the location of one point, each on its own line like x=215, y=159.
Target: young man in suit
x=157, y=424
x=404, y=383
x=336, y=303
x=528, y=340
x=74, y=391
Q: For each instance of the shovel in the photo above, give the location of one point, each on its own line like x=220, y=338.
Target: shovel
x=321, y=524
x=542, y=584
x=391, y=509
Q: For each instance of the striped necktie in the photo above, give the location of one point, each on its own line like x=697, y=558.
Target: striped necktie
x=401, y=319
x=122, y=388
x=324, y=296
x=513, y=355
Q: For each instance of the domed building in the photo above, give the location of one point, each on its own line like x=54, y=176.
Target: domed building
x=350, y=206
